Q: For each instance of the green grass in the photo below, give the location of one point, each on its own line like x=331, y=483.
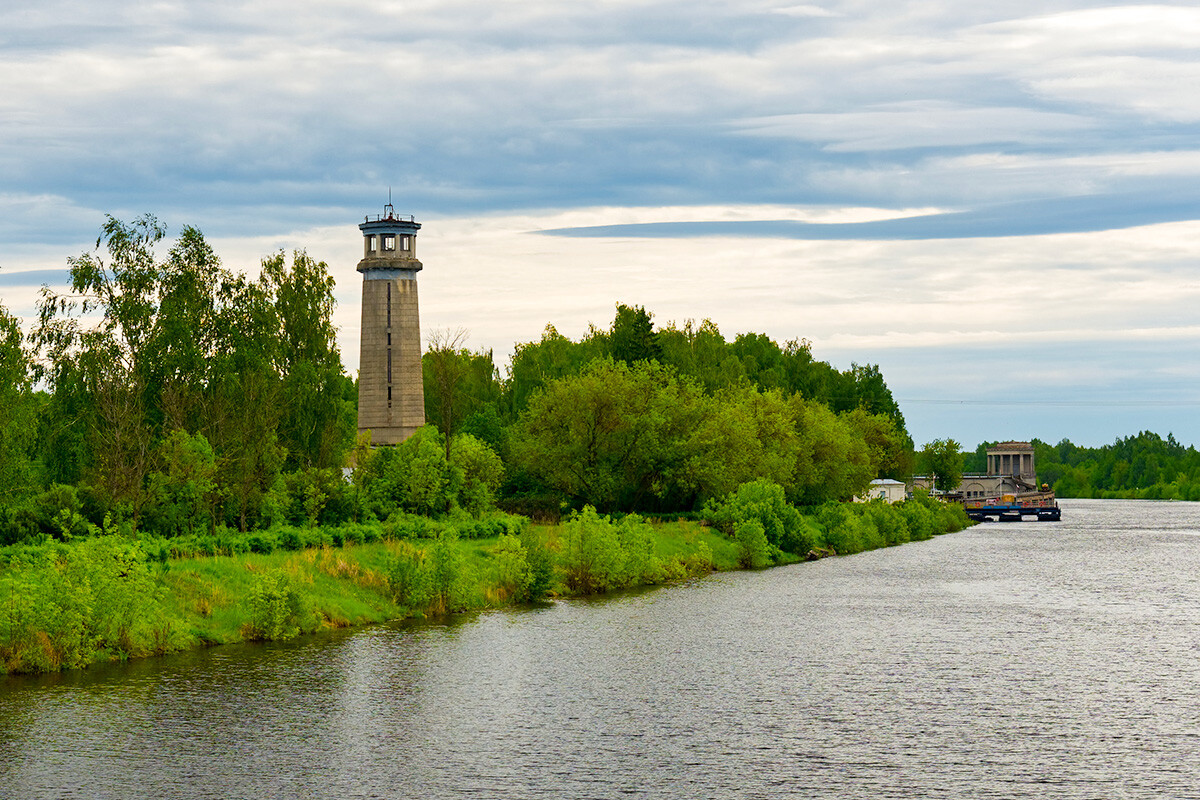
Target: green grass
x=57, y=617
x=211, y=599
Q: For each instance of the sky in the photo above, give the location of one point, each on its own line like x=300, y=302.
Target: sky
x=997, y=203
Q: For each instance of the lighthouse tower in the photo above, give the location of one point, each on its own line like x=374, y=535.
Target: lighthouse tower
x=391, y=398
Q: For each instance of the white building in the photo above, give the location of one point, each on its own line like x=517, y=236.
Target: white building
x=885, y=489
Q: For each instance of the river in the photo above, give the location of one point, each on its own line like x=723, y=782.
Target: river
x=1011, y=660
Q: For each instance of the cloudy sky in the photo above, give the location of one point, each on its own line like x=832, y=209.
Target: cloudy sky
x=998, y=203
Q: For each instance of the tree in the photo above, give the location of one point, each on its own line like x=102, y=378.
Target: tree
x=535, y=364
x=244, y=388
x=187, y=484
x=943, y=460
x=17, y=409
x=702, y=353
x=146, y=346
x=458, y=383
x=632, y=337
x=833, y=461
x=109, y=361
x=479, y=472
x=411, y=476
x=607, y=436
x=889, y=447
x=317, y=420
x=764, y=503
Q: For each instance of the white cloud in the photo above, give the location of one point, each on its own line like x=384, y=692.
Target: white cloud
x=916, y=124
x=804, y=11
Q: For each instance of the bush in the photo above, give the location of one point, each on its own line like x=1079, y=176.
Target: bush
x=641, y=565
x=592, y=558
x=290, y=539
x=414, y=476
x=512, y=566
x=276, y=608
x=753, y=547
x=434, y=580
x=498, y=524
x=314, y=497
x=449, y=581
x=401, y=525
x=541, y=564
x=701, y=561
x=66, y=605
x=479, y=472
x=262, y=542
x=845, y=530
x=763, y=501
x=407, y=578
x=919, y=518
x=888, y=521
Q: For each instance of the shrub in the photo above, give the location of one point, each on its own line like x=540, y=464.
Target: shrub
x=889, y=521
x=753, y=547
x=290, y=539
x=276, y=608
x=761, y=500
x=449, y=581
x=479, y=473
x=541, y=564
x=592, y=558
x=919, y=518
x=700, y=562
x=512, y=566
x=497, y=524
x=413, y=476
x=401, y=525
x=407, y=578
x=640, y=566
x=262, y=542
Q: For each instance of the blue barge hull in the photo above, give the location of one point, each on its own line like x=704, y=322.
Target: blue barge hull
x=1013, y=513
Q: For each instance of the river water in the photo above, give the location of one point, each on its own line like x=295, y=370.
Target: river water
x=1010, y=660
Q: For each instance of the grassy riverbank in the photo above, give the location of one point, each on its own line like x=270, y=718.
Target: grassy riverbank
x=112, y=596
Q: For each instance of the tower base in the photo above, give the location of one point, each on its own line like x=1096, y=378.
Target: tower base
x=384, y=436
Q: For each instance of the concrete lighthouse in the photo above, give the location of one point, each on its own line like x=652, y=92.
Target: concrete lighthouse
x=391, y=397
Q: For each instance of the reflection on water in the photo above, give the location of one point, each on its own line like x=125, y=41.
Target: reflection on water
x=1011, y=660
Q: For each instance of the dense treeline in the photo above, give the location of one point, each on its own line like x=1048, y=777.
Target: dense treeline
x=177, y=394
x=174, y=396
x=633, y=418
x=1144, y=466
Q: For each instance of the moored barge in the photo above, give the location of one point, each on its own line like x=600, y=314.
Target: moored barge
x=1041, y=505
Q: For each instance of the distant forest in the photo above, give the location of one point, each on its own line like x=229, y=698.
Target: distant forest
x=169, y=395
x=1144, y=466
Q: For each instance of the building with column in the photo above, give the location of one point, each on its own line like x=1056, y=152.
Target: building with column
x=1013, y=459
x=1010, y=470
x=391, y=395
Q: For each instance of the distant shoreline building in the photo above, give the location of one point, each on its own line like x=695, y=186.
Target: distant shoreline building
x=1010, y=470
x=391, y=394
x=885, y=489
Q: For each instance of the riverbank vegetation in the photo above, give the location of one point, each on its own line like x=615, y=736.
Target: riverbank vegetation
x=109, y=595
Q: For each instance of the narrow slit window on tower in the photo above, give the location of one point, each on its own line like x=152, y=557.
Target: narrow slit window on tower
x=389, y=304
x=389, y=335
x=389, y=360
x=389, y=241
